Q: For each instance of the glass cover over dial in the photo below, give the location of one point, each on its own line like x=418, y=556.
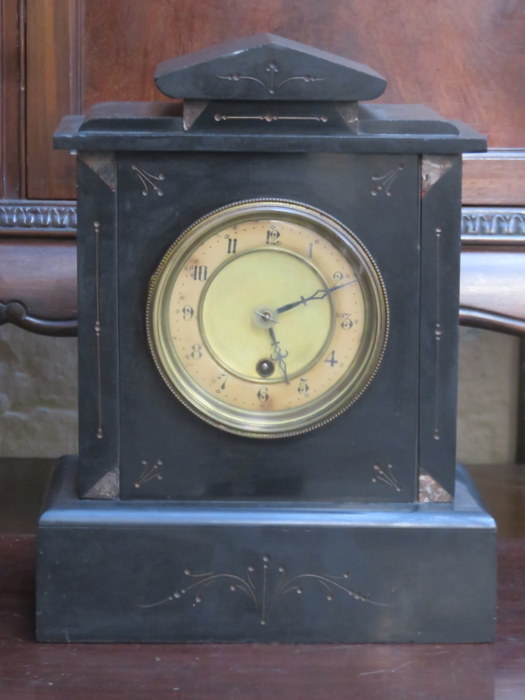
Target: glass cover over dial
x=267, y=318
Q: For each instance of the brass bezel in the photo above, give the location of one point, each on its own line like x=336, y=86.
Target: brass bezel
x=283, y=423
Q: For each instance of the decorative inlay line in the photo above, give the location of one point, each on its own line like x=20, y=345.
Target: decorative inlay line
x=386, y=476
x=148, y=181
x=438, y=334
x=98, y=330
x=262, y=585
x=385, y=182
x=269, y=118
x=149, y=473
x=270, y=85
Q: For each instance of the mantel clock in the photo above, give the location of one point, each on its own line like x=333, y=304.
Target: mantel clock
x=268, y=305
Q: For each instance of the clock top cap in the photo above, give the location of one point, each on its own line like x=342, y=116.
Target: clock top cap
x=267, y=67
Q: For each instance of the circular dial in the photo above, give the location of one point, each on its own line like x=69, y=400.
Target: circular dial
x=267, y=318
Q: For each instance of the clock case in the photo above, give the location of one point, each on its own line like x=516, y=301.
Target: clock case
x=165, y=528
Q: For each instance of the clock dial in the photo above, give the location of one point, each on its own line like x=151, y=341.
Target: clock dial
x=267, y=318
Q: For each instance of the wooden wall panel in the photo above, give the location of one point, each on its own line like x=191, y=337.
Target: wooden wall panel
x=12, y=136
x=465, y=59
x=496, y=177
x=54, y=88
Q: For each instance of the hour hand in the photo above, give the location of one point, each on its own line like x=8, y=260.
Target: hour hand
x=279, y=355
x=319, y=294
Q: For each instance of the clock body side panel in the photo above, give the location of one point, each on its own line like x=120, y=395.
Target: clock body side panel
x=440, y=254
x=98, y=401
x=368, y=453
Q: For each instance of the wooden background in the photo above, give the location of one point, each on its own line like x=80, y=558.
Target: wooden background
x=465, y=59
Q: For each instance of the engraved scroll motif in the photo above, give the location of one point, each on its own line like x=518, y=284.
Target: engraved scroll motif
x=149, y=472
x=262, y=585
x=271, y=85
x=385, y=476
x=385, y=182
x=149, y=181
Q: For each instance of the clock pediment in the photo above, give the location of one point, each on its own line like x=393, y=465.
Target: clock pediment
x=267, y=67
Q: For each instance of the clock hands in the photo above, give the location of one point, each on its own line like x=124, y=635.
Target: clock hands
x=267, y=318
x=279, y=355
x=319, y=294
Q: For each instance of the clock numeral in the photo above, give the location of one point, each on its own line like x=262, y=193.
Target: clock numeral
x=338, y=276
x=272, y=237
x=196, y=352
x=232, y=245
x=222, y=382
x=187, y=312
x=347, y=322
x=303, y=388
x=311, y=248
x=331, y=359
x=263, y=394
x=199, y=272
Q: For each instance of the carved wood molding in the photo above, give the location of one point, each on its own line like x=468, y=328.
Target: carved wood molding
x=35, y=217
x=479, y=225
x=493, y=225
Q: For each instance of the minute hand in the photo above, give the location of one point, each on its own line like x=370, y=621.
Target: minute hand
x=319, y=294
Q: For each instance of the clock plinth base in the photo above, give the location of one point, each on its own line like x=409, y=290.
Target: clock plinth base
x=156, y=571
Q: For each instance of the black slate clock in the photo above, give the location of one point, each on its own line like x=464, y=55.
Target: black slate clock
x=268, y=298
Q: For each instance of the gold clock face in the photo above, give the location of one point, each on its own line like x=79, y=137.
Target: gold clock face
x=267, y=318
